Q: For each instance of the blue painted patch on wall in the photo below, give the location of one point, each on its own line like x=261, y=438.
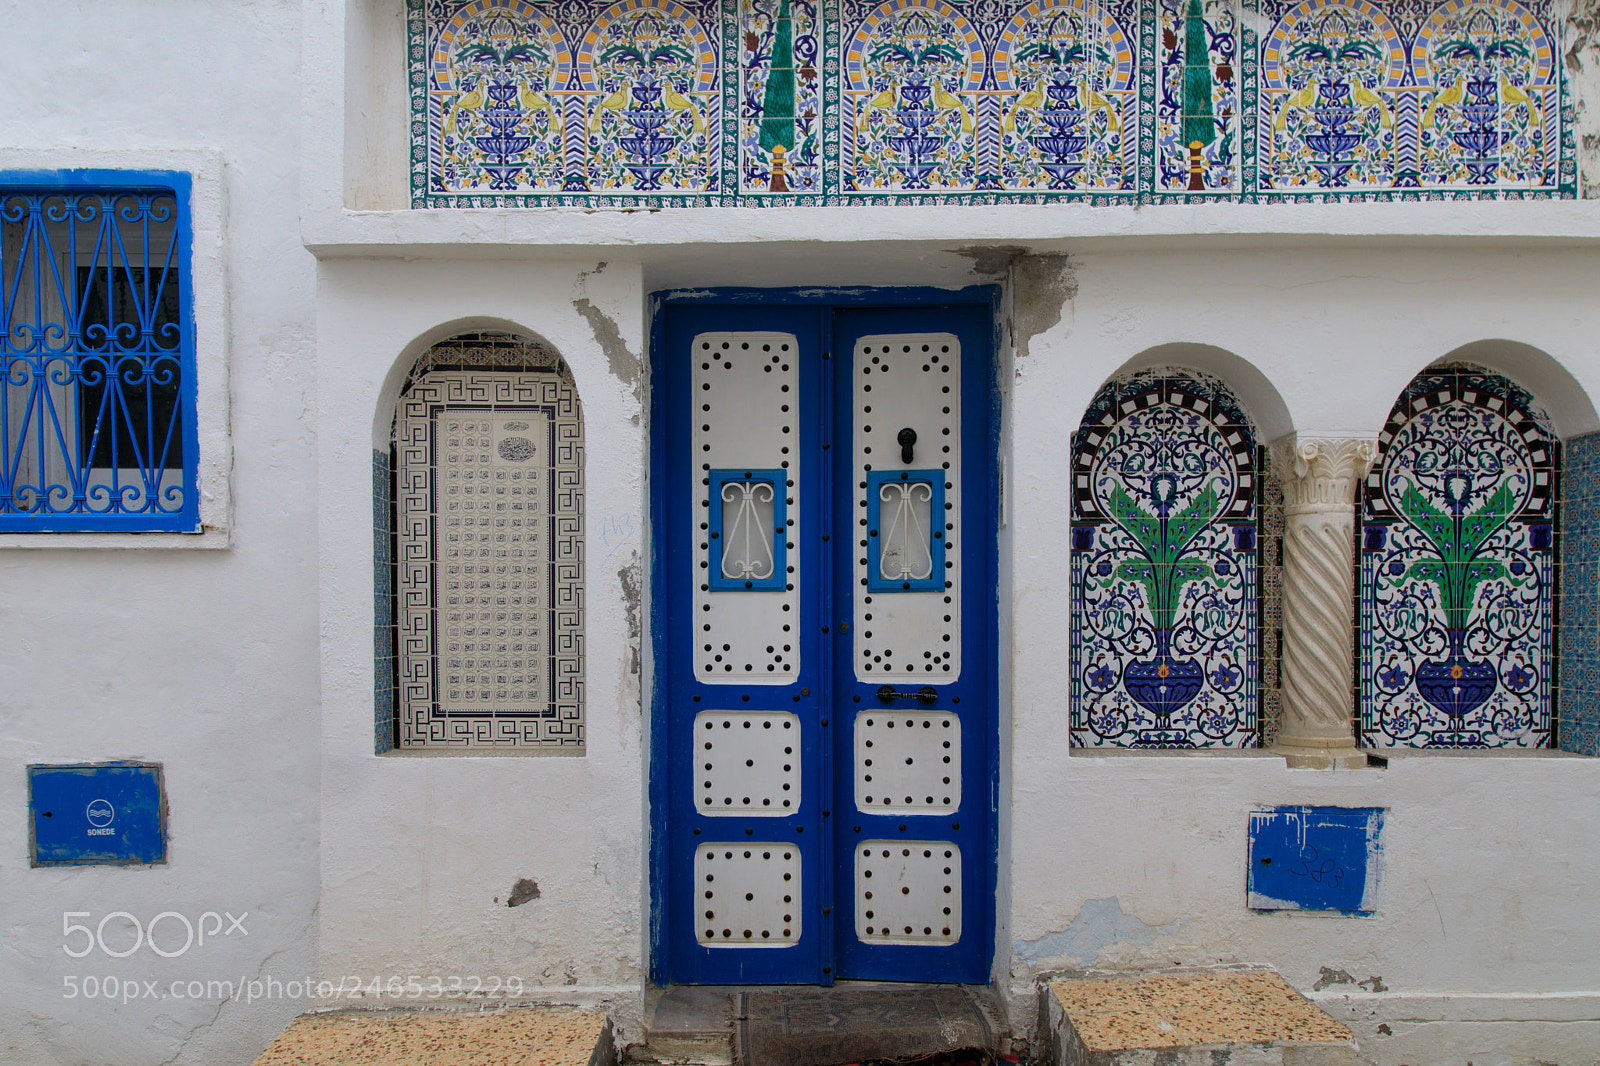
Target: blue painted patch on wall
x=1315, y=859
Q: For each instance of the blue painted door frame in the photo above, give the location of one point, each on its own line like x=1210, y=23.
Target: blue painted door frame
x=828, y=698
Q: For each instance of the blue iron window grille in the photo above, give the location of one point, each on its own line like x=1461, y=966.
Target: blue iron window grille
x=97, y=421
x=905, y=509
x=747, y=545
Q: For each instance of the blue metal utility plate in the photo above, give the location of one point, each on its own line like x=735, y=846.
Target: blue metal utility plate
x=104, y=814
x=1315, y=859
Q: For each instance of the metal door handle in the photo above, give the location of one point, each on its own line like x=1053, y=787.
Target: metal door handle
x=924, y=695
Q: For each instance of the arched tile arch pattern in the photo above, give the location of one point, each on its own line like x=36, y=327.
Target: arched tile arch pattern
x=1166, y=566
x=478, y=549
x=1457, y=574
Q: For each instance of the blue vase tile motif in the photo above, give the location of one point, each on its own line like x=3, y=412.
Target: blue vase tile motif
x=686, y=103
x=493, y=74
x=1457, y=568
x=533, y=104
x=1066, y=98
x=1165, y=563
x=1332, y=112
x=908, y=120
x=1492, y=117
x=653, y=67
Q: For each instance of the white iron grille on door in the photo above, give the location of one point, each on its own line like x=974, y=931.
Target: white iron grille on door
x=490, y=561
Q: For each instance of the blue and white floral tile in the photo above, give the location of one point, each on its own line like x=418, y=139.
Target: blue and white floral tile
x=653, y=103
x=1578, y=729
x=1457, y=574
x=1165, y=632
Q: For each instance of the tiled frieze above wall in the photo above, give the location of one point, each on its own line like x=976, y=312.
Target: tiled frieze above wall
x=654, y=103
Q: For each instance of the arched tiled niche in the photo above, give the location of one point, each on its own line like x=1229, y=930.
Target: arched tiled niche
x=1477, y=555
x=478, y=549
x=1175, y=558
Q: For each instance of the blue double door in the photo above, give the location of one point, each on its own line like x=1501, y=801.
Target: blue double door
x=823, y=762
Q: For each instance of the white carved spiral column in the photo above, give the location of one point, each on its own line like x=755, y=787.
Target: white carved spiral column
x=1319, y=477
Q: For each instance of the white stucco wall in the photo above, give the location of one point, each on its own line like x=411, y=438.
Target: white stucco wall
x=204, y=661
x=1106, y=860
x=421, y=852
x=248, y=670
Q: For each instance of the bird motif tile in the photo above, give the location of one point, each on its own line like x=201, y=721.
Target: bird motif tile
x=660, y=103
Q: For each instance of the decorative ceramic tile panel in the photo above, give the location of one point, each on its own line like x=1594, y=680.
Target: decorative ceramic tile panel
x=566, y=102
x=1579, y=676
x=651, y=103
x=1165, y=567
x=780, y=104
x=1459, y=95
x=1457, y=568
x=489, y=537
x=383, y=662
x=1198, y=80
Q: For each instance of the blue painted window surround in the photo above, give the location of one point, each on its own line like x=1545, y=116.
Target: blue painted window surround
x=97, y=363
x=747, y=549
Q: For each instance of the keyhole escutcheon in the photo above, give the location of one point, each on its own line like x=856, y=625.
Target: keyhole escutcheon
x=908, y=440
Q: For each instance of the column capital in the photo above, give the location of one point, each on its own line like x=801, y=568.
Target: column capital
x=1321, y=473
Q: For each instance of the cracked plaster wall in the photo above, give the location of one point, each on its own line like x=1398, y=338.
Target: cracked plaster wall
x=419, y=850
x=1138, y=860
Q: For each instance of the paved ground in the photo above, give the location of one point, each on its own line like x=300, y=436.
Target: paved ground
x=535, y=1036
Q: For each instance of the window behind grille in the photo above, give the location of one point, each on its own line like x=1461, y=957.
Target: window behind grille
x=96, y=347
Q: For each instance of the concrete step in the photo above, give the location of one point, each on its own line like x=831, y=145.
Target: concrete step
x=518, y=1036
x=849, y=1023
x=687, y=1025
x=1242, y=1017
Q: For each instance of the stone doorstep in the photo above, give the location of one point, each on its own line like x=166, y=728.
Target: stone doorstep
x=693, y=1025
x=1244, y=1017
x=517, y=1036
x=687, y=1025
